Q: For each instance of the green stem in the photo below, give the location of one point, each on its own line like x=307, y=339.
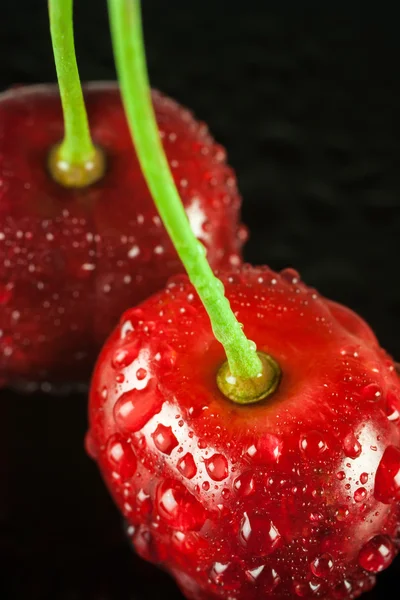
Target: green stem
x=127, y=36
x=76, y=147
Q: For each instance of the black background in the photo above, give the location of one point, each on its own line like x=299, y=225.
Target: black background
x=306, y=97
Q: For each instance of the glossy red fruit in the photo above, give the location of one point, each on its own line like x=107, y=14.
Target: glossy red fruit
x=296, y=496
x=72, y=260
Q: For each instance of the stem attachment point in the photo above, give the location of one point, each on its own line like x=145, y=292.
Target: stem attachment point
x=76, y=175
x=250, y=391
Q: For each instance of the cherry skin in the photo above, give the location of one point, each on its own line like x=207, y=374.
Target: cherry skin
x=296, y=496
x=72, y=260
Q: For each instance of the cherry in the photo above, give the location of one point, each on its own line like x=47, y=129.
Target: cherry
x=73, y=258
x=262, y=468
x=296, y=495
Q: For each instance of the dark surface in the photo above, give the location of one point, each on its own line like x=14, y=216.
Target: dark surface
x=306, y=100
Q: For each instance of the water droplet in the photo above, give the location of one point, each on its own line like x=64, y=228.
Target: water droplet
x=342, y=590
x=269, y=448
x=342, y=513
x=290, y=275
x=364, y=478
x=360, y=494
x=121, y=457
x=307, y=589
x=259, y=534
x=123, y=357
x=377, y=554
x=313, y=444
x=392, y=408
x=205, y=485
x=253, y=574
x=90, y=446
x=217, y=467
x=341, y=475
x=144, y=544
x=264, y=577
x=126, y=330
x=178, y=507
x=322, y=565
x=351, y=446
x=164, y=439
x=187, y=466
x=244, y=484
x=216, y=572
x=387, y=478
x=120, y=378
x=143, y=503
x=372, y=392
x=135, y=408
x=141, y=374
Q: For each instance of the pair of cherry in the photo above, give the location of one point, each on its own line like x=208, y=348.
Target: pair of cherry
x=275, y=474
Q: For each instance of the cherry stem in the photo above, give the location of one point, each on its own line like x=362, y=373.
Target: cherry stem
x=77, y=146
x=128, y=44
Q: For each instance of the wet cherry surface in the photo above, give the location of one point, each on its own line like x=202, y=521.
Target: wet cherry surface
x=297, y=496
x=56, y=548
x=72, y=260
x=308, y=107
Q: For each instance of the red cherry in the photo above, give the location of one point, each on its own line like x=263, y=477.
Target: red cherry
x=71, y=261
x=296, y=496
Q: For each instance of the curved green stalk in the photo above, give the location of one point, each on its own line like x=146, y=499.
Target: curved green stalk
x=77, y=147
x=127, y=36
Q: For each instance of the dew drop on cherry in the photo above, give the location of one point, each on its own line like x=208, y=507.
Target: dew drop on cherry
x=244, y=484
x=360, y=494
x=342, y=590
x=217, y=467
x=342, y=513
x=135, y=408
x=290, y=275
x=259, y=534
x=141, y=374
x=123, y=357
x=387, y=478
x=121, y=457
x=351, y=446
x=217, y=571
x=178, y=507
x=377, y=554
x=322, y=565
x=253, y=574
x=313, y=444
x=90, y=446
x=186, y=466
x=164, y=439
x=392, y=408
x=372, y=392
